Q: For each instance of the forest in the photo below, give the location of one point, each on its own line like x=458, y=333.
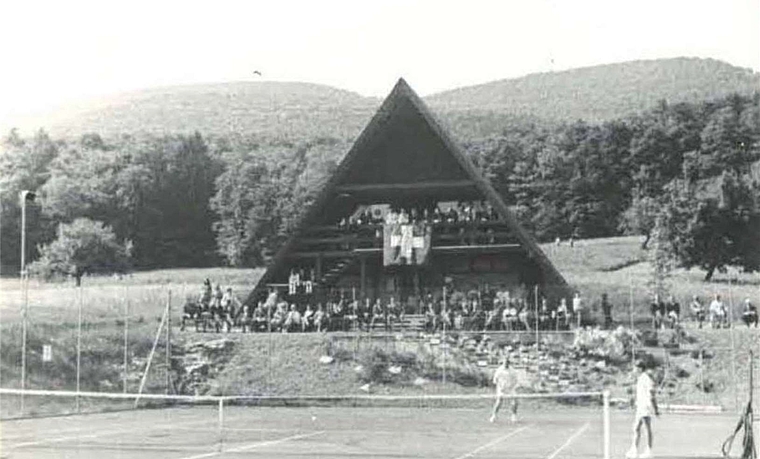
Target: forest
x=690, y=170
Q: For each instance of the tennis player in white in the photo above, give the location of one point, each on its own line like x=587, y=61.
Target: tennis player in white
x=646, y=407
x=506, y=379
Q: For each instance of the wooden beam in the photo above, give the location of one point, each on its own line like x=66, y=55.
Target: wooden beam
x=334, y=253
x=416, y=186
x=486, y=248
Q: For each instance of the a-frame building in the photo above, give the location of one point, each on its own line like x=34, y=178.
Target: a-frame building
x=404, y=160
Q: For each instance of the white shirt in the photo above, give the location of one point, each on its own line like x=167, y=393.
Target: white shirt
x=576, y=304
x=644, y=393
x=716, y=307
x=505, y=379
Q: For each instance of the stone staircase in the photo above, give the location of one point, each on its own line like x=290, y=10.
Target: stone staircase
x=549, y=370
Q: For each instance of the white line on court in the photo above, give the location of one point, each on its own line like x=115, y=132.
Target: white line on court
x=569, y=440
x=493, y=443
x=255, y=445
x=99, y=434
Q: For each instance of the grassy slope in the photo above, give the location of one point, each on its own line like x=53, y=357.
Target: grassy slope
x=618, y=267
x=593, y=266
x=298, y=111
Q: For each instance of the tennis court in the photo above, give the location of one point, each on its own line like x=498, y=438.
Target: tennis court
x=363, y=432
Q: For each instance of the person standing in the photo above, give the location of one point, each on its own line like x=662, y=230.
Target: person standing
x=656, y=310
x=673, y=309
x=607, y=311
x=506, y=379
x=646, y=408
x=717, y=312
x=698, y=310
x=749, y=313
x=577, y=308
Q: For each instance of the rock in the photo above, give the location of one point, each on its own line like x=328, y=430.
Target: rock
x=359, y=368
x=197, y=368
x=394, y=369
x=600, y=365
x=365, y=388
x=326, y=359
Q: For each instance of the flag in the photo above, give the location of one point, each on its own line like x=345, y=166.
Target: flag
x=406, y=244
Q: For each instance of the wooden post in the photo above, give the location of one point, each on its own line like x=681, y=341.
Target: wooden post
x=363, y=276
x=126, y=338
x=535, y=301
x=733, y=342
x=443, y=341
x=168, y=361
x=79, y=344
x=630, y=313
x=150, y=356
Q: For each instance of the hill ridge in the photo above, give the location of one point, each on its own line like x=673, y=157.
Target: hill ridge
x=297, y=110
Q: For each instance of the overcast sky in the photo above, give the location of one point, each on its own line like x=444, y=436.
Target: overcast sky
x=61, y=51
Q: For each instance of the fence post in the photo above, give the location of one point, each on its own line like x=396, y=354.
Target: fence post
x=126, y=337
x=150, y=357
x=221, y=424
x=168, y=342
x=79, y=343
x=702, y=376
x=606, y=422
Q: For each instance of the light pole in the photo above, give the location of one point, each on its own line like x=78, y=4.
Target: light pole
x=24, y=196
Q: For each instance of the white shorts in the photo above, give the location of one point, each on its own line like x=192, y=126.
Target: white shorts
x=506, y=391
x=644, y=412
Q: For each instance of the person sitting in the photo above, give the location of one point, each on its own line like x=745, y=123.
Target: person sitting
x=230, y=306
x=458, y=320
x=393, y=314
x=510, y=316
x=447, y=319
x=292, y=320
x=544, y=315
x=431, y=318
x=377, y=314
x=523, y=315
x=307, y=319
x=656, y=311
x=562, y=315
x=365, y=314
x=717, y=313
x=673, y=310
x=206, y=293
x=749, y=313
x=190, y=311
x=697, y=310
x=278, y=318
x=320, y=319
x=243, y=319
x=258, y=318
x=492, y=320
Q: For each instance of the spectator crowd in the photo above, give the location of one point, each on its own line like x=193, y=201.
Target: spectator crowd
x=484, y=309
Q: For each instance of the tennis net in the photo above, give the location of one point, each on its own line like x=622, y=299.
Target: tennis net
x=207, y=425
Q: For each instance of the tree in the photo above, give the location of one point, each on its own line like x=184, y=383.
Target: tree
x=714, y=224
x=661, y=258
x=641, y=216
x=83, y=246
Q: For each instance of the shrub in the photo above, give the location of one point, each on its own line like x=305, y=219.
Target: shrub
x=615, y=345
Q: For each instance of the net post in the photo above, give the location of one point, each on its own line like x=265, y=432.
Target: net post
x=221, y=424
x=606, y=422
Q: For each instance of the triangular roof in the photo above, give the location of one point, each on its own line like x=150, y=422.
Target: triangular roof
x=439, y=161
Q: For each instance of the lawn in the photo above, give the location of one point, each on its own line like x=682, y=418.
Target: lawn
x=618, y=267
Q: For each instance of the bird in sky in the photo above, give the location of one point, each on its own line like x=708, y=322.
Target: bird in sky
x=256, y=72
